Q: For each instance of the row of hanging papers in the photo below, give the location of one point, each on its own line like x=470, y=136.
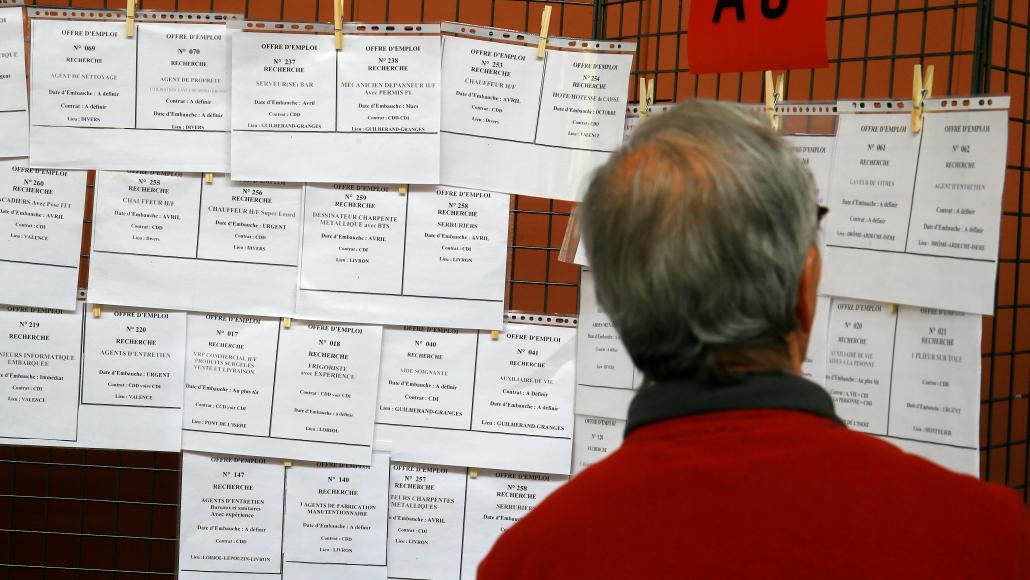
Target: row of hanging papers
x=297, y=275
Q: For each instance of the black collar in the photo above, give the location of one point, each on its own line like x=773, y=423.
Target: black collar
x=679, y=398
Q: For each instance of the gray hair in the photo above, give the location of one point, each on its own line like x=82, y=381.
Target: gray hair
x=697, y=230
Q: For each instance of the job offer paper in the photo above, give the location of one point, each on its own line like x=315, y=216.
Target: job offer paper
x=369, y=113
x=548, y=121
x=41, y=214
x=427, y=512
x=596, y=438
x=435, y=256
x=914, y=218
x=606, y=378
x=157, y=101
x=912, y=374
x=14, y=104
x=79, y=381
x=306, y=392
x=495, y=501
x=509, y=406
x=171, y=240
x=231, y=515
x=252, y=515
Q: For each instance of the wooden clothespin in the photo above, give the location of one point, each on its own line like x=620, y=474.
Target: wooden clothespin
x=287, y=322
x=403, y=189
x=130, y=18
x=922, y=89
x=338, y=23
x=473, y=472
x=773, y=97
x=645, y=94
x=209, y=178
x=287, y=463
x=642, y=97
x=96, y=311
x=495, y=335
x=545, y=27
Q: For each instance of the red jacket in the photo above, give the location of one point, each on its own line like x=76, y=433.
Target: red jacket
x=775, y=489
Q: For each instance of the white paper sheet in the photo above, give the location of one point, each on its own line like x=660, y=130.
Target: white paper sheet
x=157, y=101
x=914, y=218
x=427, y=377
x=310, y=571
x=958, y=459
x=596, y=438
x=606, y=379
x=169, y=240
x=41, y=224
x=245, y=517
x=548, y=121
x=39, y=387
x=255, y=388
x=367, y=114
x=129, y=396
x=130, y=391
x=858, y=367
x=427, y=513
x=510, y=406
x=133, y=362
x=495, y=500
x=435, y=256
x=337, y=515
x=937, y=372
x=581, y=258
x=14, y=104
x=134, y=357
x=912, y=374
x=231, y=514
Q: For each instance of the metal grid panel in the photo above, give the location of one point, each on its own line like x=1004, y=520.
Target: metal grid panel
x=976, y=46
x=1007, y=345
x=69, y=513
x=88, y=514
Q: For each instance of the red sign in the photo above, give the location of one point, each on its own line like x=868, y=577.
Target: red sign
x=749, y=35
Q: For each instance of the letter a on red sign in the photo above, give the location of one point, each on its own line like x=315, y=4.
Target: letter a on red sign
x=749, y=35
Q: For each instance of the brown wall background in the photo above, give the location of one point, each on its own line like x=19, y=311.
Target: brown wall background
x=103, y=514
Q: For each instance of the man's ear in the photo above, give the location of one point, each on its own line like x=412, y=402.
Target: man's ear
x=808, y=290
